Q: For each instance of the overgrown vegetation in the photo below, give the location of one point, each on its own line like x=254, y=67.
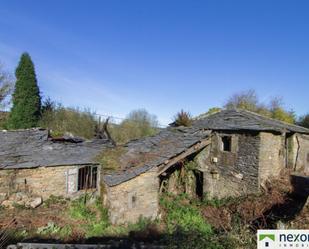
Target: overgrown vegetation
x=61, y=120
x=185, y=222
x=180, y=215
x=94, y=217
x=304, y=121
x=84, y=123
x=183, y=118
x=137, y=124
x=110, y=159
x=3, y=119
x=187, y=227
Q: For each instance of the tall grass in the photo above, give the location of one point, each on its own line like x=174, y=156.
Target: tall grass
x=182, y=215
x=94, y=217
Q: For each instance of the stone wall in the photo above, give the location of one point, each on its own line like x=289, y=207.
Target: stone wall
x=298, y=153
x=42, y=181
x=230, y=173
x=134, y=198
x=272, y=156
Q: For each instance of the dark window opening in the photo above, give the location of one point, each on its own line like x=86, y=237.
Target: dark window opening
x=133, y=201
x=226, y=143
x=307, y=157
x=87, y=177
x=199, y=184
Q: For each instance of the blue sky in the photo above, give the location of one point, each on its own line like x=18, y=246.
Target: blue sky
x=115, y=56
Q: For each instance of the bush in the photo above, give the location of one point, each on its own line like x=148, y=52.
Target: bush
x=183, y=118
x=61, y=120
x=94, y=217
x=79, y=210
x=216, y=202
x=304, y=121
x=182, y=215
x=138, y=124
x=3, y=119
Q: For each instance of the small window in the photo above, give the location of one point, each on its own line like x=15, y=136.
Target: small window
x=226, y=143
x=307, y=157
x=132, y=200
x=87, y=177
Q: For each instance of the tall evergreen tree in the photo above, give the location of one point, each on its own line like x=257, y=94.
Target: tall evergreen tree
x=26, y=109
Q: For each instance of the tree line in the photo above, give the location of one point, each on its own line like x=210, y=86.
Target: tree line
x=29, y=110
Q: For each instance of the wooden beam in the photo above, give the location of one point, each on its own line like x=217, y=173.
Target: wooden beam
x=196, y=147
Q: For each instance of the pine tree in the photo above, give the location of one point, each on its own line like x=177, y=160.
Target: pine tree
x=26, y=109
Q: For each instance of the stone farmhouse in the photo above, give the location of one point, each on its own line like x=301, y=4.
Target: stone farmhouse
x=229, y=153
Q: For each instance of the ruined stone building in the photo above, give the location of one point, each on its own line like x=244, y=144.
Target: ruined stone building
x=229, y=153
x=32, y=162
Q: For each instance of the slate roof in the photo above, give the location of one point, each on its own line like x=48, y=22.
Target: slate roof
x=153, y=151
x=245, y=120
x=173, y=141
x=32, y=148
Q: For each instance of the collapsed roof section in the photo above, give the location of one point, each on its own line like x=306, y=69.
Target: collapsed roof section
x=144, y=154
x=33, y=148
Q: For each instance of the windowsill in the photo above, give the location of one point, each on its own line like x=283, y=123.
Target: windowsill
x=86, y=190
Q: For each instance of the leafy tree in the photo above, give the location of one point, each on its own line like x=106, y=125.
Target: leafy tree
x=26, y=110
x=6, y=86
x=48, y=105
x=139, y=123
x=304, y=121
x=247, y=100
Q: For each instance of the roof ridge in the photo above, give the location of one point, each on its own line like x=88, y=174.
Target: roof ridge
x=270, y=119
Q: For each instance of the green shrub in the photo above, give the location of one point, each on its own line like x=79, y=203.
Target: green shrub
x=184, y=216
x=50, y=228
x=60, y=120
x=137, y=124
x=217, y=202
x=65, y=232
x=140, y=225
x=94, y=217
x=183, y=118
x=79, y=210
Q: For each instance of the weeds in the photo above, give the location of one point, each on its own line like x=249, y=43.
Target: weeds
x=94, y=217
x=50, y=228
x=181, y=215
x=52, y=200
x=217, y=202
